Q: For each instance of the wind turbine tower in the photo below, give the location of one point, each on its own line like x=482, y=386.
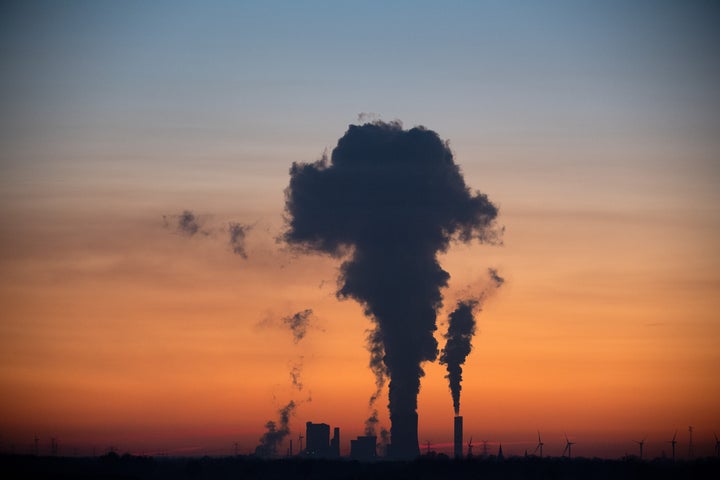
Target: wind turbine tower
x=717, y=445
x=641, y=443
x=691, y=451
x=568, y=447
x=672, y=443
x=539, y=445
x=470, y=447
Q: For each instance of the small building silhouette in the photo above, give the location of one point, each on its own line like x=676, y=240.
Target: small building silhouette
x=363, y=448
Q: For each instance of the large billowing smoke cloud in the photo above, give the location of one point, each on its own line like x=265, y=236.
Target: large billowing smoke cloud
x=461, y=329
x=391, y=200
x=275, y=432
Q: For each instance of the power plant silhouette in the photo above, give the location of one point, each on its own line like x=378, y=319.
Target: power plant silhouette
x=419, y=204
x=388, y=201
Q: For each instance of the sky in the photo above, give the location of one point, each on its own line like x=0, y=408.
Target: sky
x=593, y=126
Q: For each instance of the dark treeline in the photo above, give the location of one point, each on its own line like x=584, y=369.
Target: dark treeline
x=132, y=467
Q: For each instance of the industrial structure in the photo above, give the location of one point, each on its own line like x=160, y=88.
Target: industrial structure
x=318, y=443
x=458, y=437
x=364, y=448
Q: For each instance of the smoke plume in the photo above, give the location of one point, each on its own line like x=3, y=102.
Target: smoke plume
x=461, y=329
x=459, y=337
x=275, y=432
x=237, y=233
x=377, y=366
x=495, y=277
x=371, y=424
x=390, y=200
x=296, y=374
x=186, y=223
x=298, y=323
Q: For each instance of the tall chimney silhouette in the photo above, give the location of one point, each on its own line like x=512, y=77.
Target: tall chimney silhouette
x=458, y=437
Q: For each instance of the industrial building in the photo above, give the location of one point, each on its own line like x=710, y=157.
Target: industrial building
x=364, y=448
x=319, y=445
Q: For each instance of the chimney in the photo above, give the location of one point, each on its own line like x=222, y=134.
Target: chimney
x=458, y=437
x=335, y=443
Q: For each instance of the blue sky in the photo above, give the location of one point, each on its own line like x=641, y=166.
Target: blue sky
x=500, y=68
x=169, y=91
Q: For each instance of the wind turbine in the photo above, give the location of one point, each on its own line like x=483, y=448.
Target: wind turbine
x=691, y=450
x=568, y=447
x=672, y=443
x=641, y=443
x=539, y=445
x=470, y=447
x=717, y=445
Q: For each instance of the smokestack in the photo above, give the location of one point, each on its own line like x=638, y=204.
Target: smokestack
x=458, y=437
x=335, y=443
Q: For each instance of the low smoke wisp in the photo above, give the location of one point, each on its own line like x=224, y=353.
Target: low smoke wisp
x=371, y=424
x=296, y=374
x=187, y=223
x=377, y=366
x=276, y=432
x=495, y=277
x=237, y=232
x=390, y=200
x=298, y=323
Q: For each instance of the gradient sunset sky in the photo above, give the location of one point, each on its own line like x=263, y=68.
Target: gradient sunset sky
x=594, y=126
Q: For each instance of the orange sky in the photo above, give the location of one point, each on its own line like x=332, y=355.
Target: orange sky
x=595, y=132
x=120, y=330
